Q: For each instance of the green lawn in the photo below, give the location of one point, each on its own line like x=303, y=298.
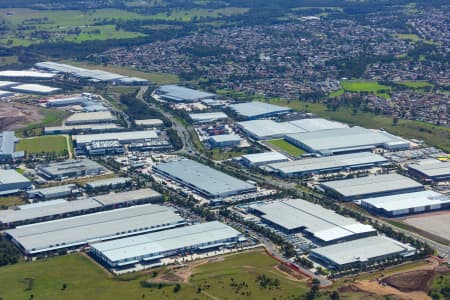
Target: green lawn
x=43, y=144
x=286, y=146
x=416, y=84
x=85, y=280
x=336, y=93
x=363, y=86
x=196, y=13
x=438, y=136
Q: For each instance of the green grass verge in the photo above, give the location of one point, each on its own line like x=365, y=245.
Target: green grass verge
x=363, y=86
x=44, y=280
x=287, y=147
x=438, y=136
x=43, y=144
x=415, y=84
x=8, y=201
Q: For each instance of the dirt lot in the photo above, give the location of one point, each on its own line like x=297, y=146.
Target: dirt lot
x=411, y=284
x=435, y=223
x=15, y=115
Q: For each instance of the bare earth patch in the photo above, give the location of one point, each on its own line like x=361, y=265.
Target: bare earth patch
x=16, y=115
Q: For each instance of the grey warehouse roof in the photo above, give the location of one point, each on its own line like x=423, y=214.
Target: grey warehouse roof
x=121, y=136
x=204, y=117
x=11, y=177
x=361, y=250
x=109, y=181
x=327, y=163
x=372, y=185
x=130, y=196
x=165, y=241
x=268, y=129
x=7, y=140
x=323, y=223
x=317, y=124
x=225, y=138
x=89, y=228
x=256, y=108
x=91, y=116
x=47, y=208
x=179, y=93
x=203, y=178
x=342, y=139
x=264, y=157
x=432, y=169
x=58, y=168
x=408, y=200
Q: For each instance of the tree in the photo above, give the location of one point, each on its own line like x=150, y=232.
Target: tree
x=334, y=296
x=177, y=288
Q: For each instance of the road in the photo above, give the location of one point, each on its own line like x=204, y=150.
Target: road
x=182, y=131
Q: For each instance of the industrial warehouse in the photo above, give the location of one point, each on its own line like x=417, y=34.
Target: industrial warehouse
x=70, y=168
x=409, y=203
x=7, y=147
x=346, y=140
x=53, y=192
x=320, y=225
x=76, y=232
x=40, y=89
x=260, y=159
x=12, y=182
x=149, y=249
x=224, y=140
x=372, y=186
x=60, y=208
x=175, y=93
x=125, y=137
x=87, y=128
x=359, y=253
x=109, y=182
x=258, y=110
x=91, y=75
x=434, y=171
x=203, y=179
x=91, y=118
x=328, y=164
x=207, y=117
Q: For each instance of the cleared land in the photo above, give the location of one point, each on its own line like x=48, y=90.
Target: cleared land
x=8, y=201
x=16, y=115
x=43, y=144
x=287, y=147
x=437, y=224
x=218, y=279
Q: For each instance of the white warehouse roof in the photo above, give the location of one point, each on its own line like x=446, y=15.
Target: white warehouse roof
x=368, y=186
x=207, y=117
x=265, y=157
x=35, y=88
x=361, y=250
x=125, y=136
x=154, y=244
x=322, y=223
x=85, y=117
x=257, y=109
x=317, y=124
x=407, y=201
x=268, y=129
x=77, y=231
x=27, y=74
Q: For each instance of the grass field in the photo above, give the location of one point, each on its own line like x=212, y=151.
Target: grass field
x=158, y=78
x=43, y=144
x=416, y=84
x=8, y=201
x=192, y=14
x=363, y=86
x=438, y=136
x=287, y=147
x=85, y=280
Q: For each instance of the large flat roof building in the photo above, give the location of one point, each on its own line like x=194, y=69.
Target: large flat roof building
x=53, y=192
x=328, y=164
x=129, y=198
x=152, y=247
x=321, y=225
x=371, y=186
x=203, y=179
x=268, y=129
x=86, y=128
x=257, y=110
x=345, y=140
x=76, y=232
x=360, y=252
x=317, y=124
x=224, y=140
x=175, y=93
x=125, y=137
x=409, y=203
x=109, y=182
x=12, y=182
x=207, y=117
x=31, y=88
x=91, y=118
x=260, y=159
x=26, y=74
x=431, y=171
x=8, y=145
x=70, y=168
